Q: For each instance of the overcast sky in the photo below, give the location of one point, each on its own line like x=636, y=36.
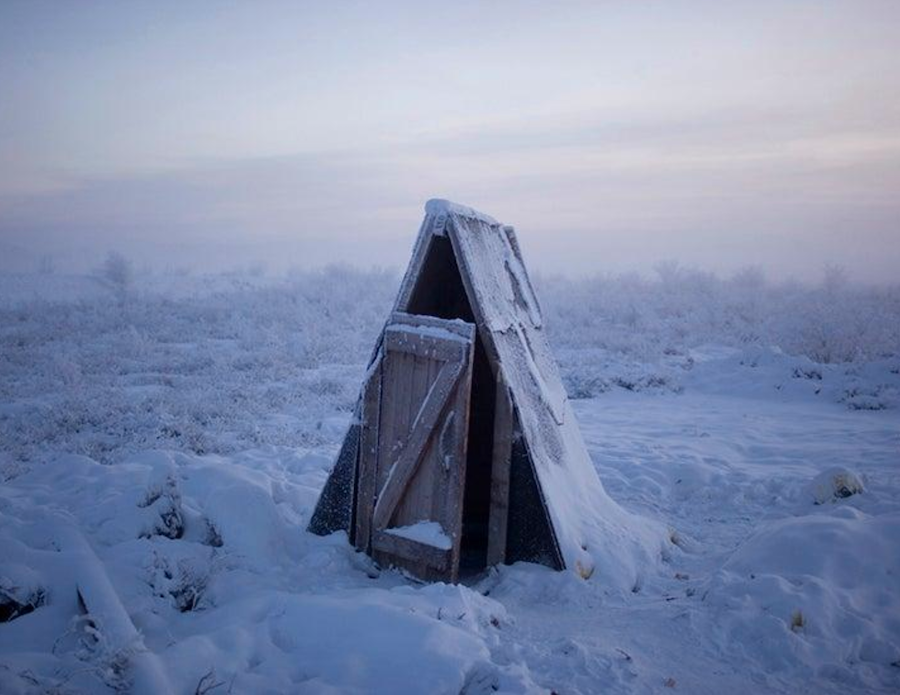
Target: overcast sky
x=613, y=135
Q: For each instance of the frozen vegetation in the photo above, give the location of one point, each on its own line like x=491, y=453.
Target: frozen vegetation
x=171, y=432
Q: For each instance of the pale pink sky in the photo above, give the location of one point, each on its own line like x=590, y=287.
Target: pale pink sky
x=613, y=135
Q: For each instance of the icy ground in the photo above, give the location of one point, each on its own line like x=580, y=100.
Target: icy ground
x=185, y=433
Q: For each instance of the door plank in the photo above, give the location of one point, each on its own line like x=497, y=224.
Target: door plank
x=457, y=326
x=395, y=422
x=414, y=504
x=432, y=347
x=412, y=551
x=368, y=455
x=422, y=428
x=455, y=453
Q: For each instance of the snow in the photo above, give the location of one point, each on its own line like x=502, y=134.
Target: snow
x=427, y=532
x=593, y=533
x=439, y=206
x=834, y=484
x=185, y=435
x=430, y=332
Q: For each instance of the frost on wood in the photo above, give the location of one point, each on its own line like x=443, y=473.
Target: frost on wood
x=427, y=532
x=595, y=536
x=572, y=523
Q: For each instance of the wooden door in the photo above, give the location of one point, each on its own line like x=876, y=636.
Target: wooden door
x=413, y=453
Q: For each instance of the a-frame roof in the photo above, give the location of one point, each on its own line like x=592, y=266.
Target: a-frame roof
x=592, y=532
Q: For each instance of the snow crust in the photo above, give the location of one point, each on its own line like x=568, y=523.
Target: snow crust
x=427, y=532
x=430, y=331
x=439, y=206
x=815, y=590
x=835, y=484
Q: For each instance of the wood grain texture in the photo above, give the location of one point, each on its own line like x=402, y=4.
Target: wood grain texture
x=415, y=555
x=396, y=339
x=368, y=456
x=422, y=438
x=420, y=432
x=461, y=328
x=499, y=512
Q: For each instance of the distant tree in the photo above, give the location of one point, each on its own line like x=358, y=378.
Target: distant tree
x=116, y=273
x=834, y=279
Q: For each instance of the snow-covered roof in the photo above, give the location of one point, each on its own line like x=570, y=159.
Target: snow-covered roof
x=592, y=531
x=437, y=206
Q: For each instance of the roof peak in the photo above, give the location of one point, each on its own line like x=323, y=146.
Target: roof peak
x=436, y=206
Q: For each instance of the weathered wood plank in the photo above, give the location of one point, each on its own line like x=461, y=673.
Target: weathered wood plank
x=499, y=511
x=455, y=458
x=368, y=455
x=412, y=551
x=422, y=429
x=419, y=501
x=412, y=378
x=465, y=271
x=416, y=503
x=396, y=339
x=395, y=421
x=458, y=326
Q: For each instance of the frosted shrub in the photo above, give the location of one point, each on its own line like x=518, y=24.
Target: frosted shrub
x=217, y=364
x=117, y=274
x=649, y=319
x=213, y=370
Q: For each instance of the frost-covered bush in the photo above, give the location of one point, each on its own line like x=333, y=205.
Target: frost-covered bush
x=117, y=274
x=217, y=364
x=648, y=319
x=233, y=363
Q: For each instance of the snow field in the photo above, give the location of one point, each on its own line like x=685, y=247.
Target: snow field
x=185, y=432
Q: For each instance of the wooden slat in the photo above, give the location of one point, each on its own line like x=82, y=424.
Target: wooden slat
x=417, y=502
x=465, y=273
x=453, y=508
x=412, y=551
x=432, y=347
x=397, y=417
x=420, y=432
x=368, y=456
x=458, y=326
x=499, y=512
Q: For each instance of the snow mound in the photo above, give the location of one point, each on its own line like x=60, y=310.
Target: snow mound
x=427, y=532
x=818, y=593
x=222, y=585
x=835, y=484
x=441, y=206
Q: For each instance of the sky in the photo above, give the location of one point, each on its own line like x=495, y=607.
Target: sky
x=612, y=135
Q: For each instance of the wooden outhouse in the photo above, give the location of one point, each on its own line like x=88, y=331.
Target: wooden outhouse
x=464, y=451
